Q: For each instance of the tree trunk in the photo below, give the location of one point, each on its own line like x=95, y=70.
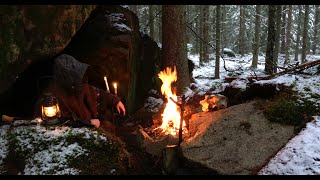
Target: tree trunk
x=296, y=51
x=316, y=26
x=283, y=30
x=174, y=47
x=205, y=33
x=151, y=20
x=197, y=48
x=224, y=27
x=305, y=35
x=201, y=44
x=217, y=65
x=242, y=30
x=277, y=42
x=256, y=42
x=134, y=8
x=145, y=19
x=187, y=14
x=288, y=37
x=160, y=25
x=269, y=66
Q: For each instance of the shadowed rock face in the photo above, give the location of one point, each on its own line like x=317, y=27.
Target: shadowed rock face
x=111, y=43
x=28, y=32
x=236, y=140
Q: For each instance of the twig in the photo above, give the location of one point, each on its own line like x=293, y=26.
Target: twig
x=201, y=38
x=151, y=20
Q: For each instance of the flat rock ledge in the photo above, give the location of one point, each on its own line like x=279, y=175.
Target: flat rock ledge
x=237, y=140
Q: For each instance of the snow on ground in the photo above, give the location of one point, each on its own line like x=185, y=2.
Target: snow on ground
x=48, y=150
x=301, y=155
x=4, y=146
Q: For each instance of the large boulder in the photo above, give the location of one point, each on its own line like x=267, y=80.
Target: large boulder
x=237, y=140
x=28, y=32
x=111, y=43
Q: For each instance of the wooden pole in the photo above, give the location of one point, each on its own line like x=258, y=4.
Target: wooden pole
x=181, y=116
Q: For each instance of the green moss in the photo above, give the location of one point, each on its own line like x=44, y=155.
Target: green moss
x=291, y=111
x=307, y=88
x=103, y=155
x=11, y=36
x=318, y=69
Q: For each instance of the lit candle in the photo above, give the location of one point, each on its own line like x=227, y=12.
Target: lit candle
x=115, y=89
x=106, y=81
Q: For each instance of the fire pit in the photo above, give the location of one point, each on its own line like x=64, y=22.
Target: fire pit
x=173, y=128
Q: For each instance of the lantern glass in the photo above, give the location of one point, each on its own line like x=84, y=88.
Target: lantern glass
x=50, y=108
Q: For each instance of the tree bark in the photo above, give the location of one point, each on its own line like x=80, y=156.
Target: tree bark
x=277, y=38
x=151, y=20
x=296, y=51
x=242, y=30
x=305, y=35
x=271, y=40
x=316, y=29
x=288, y=37
x=205, y=33
x=223, y=26
x=256, y=42
x=134, y=8
x=160, y=25
x=201, y=24
x=217, y=65
x=283, y=30
x=174, y=44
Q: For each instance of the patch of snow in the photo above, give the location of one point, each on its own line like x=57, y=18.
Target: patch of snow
x=300, y=156
x=153, y=104
x=122, y=27
x=239, y=84
x=188, y=92
x=125, y=6
x=4, y=145
x=48, y=149
x=118, y=20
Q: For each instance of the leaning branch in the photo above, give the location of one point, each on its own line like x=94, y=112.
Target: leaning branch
x=297, y=68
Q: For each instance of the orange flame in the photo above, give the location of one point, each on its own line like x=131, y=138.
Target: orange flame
x=171, y=114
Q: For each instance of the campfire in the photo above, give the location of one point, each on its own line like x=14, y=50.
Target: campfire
x=171, y=114
x=166, y=130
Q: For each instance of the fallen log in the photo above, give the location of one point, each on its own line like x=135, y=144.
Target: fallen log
x=297, y=68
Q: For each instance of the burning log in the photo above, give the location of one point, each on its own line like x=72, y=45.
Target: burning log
x=211, y=102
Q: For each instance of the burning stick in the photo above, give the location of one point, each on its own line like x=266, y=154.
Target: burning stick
x=106, y=81
x=181, y=116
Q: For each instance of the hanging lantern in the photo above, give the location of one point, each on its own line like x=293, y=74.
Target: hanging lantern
x=50, y=109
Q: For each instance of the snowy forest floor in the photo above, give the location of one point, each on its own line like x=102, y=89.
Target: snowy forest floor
x=300, y=155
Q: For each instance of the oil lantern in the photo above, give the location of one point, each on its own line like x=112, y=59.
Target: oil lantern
x=50, y=109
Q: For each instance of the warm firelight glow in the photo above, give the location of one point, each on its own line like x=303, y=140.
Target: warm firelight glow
x=115, y=89
x=50, y=111
x=209, y=102
x=171, y=114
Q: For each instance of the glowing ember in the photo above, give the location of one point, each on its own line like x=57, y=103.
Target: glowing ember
x=210, y=102
x=171, y=114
